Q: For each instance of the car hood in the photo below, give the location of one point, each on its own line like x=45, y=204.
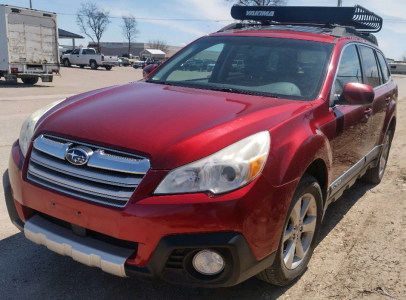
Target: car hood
x=169, y=125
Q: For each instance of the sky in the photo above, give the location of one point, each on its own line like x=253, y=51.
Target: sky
x=179, y=22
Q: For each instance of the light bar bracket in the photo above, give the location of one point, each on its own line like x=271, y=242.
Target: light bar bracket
x=358, y=17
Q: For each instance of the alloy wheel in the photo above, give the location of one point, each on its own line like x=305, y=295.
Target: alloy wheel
x=299, y=232
x=384, y=156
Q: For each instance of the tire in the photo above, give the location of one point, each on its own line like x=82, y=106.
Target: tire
x=375, y=175
x=108, y=68
x=32, y=80
x=305, y=230
x=82, y=66
x=93, y=65
x=66, y=62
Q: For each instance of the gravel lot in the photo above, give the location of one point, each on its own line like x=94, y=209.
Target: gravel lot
x=361, y=251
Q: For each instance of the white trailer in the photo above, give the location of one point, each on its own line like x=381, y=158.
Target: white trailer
x=28, y=44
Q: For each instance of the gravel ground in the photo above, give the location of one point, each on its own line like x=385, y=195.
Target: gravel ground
x=361, y=251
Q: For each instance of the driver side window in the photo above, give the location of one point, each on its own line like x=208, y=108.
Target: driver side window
x=349, y=70
x=76, y=51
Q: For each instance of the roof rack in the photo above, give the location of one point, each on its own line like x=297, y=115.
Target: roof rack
x=357, y=17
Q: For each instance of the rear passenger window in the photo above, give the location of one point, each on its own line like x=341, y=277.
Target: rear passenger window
x=371, y=68
x=384, y=67
x=349, y=70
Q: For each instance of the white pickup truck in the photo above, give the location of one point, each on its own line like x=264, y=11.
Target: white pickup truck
x=88, y=57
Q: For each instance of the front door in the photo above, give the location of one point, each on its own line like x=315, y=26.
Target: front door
x=74, y=57
x=352, y=122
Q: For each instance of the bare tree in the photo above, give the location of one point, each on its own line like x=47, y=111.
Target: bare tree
x=158, y=44
x=129, y=29
x=92, y=21
x=404, y=57
x=260, y=2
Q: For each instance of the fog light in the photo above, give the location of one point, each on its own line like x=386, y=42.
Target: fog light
x=208, y=262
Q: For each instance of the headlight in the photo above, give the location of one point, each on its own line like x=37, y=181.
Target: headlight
x=223, y=171
x=27, y=130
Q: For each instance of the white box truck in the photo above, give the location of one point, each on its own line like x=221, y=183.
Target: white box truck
x=28, y=44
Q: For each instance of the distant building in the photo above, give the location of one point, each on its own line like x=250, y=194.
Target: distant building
x=119, y=49
x=153, y=53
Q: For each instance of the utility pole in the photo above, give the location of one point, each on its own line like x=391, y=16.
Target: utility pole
x=31, y=4
x=340, y=3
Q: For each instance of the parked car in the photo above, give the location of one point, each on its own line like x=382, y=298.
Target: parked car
x=143, y=62
x=209, y=180
x=124, y=61
x=65, y=52
x=131, y=58
x=210, y=67
x=88, y=57
x=29, y=45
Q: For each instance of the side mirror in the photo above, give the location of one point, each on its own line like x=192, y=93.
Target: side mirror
x=356, y=94
x=148, y=69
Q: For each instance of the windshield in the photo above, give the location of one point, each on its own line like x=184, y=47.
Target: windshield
x=287, y=68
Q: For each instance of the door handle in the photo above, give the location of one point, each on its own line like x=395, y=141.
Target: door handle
x=387, y=100
x=368, y=112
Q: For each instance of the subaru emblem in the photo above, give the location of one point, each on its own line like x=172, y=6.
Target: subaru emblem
x=78, y=156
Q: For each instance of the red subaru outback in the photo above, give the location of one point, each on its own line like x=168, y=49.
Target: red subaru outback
x=210, y=176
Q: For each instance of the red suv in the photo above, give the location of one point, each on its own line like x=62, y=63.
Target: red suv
x=209, y=177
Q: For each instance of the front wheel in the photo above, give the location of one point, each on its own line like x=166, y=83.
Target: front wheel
x=108, y=68
x=299, y=235
x=66, y=62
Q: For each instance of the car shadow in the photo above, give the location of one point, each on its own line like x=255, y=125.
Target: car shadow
x=28, y=270
x=5, y=84
x=338, y=209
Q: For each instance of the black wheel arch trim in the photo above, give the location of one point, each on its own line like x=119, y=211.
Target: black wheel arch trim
x=12, y=211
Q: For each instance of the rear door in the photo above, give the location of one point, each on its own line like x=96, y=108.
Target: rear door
x=374, y=77
x=87, y=54
x=32, y=38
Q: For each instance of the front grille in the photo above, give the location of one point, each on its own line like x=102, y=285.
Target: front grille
x=110, y=177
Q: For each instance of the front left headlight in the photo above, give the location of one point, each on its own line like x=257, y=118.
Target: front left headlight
x=223, y=171
x=27, y=130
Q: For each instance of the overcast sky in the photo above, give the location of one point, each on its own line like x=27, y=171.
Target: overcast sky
x=179, y=22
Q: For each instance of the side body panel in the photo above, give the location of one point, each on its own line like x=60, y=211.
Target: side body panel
x=4, y=62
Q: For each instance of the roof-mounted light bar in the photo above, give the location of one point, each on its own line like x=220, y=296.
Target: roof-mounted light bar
x=358, y=17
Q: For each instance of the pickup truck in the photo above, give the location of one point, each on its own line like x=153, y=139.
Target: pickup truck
x=88, y=57
x=28, y=45
x=143, y=62
x=209, y=179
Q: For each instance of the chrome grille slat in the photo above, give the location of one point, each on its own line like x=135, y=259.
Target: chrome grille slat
x=115, y=163
x=50, y=147
x=110, y=179
x=78, y=184
x=125, y=180
x=93, y=198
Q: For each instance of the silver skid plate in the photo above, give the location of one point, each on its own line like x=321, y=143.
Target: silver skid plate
x=86, y=250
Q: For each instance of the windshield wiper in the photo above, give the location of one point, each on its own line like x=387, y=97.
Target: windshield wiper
x=159, y=82
x=244, y=92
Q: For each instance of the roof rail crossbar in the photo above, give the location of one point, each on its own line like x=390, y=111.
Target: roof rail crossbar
x=357, y=17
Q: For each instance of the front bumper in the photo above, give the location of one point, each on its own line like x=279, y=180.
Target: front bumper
x=245, y=225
